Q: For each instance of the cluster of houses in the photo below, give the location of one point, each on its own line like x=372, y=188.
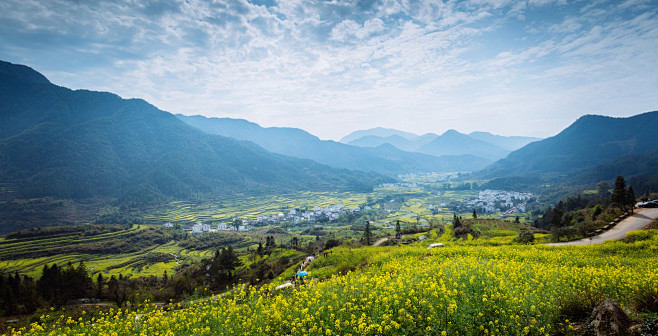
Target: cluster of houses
x=491, y=201
x=430, y=177
x=329, y=213
x=318, y=214
x=399, y=184
x=201, y=228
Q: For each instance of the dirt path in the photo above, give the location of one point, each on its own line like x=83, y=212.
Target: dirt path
x=381, y=241
x=639, y=220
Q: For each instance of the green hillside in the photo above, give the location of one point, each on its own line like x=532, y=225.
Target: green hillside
x=82, y=144
x=590, y=141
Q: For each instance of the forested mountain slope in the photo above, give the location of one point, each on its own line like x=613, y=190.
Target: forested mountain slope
x=76, y=144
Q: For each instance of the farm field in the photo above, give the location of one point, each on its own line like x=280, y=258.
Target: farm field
x=249, y=207
x=152, y=251
x=465, y=288
x=137, y=250
x=416, y=202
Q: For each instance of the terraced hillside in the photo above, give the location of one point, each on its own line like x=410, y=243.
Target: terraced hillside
x=111, y=249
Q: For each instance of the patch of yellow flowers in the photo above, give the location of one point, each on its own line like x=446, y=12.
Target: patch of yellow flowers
x=456, y=290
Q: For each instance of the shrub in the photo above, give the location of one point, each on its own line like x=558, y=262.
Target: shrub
x=464, y=231
x=646, y=300
x=331, y=243
x=525, y=237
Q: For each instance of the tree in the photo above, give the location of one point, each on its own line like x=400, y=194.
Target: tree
x=397, y=228
x=618, y=196
x=119, y=289
x=602, y=189
x=237, y=223
x=50, y=285
x=269, y=242
x=229, y=260
x=259, y=250
x=220, y=268
x=556, y=223
x=630, y=197
x=99, y=285
x=330, y=243
x=516, y=220
x=456, y=222
x=367, y=235
x=475, y=214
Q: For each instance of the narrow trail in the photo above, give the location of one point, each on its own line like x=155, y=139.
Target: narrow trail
x=381, y=241
x=638, y=221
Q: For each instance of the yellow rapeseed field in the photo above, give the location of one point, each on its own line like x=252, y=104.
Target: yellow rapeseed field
x=455, y=290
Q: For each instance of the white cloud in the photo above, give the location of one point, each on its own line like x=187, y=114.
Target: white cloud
x=328, y=66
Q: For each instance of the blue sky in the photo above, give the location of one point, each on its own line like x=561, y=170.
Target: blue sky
x=332, y=67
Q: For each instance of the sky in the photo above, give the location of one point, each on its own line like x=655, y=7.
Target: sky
x=508, y=67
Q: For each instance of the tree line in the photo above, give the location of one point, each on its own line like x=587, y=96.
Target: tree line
x=583, y=214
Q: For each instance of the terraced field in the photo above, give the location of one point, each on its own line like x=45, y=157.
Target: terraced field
x=138, y=250
x=249, y=207
x=149, y=249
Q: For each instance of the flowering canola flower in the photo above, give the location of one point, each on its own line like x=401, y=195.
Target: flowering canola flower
x=456, y=290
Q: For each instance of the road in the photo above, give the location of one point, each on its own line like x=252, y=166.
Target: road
x=639, y=220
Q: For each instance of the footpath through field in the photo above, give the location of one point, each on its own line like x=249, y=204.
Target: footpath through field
x=638, y=221
x=385, y=239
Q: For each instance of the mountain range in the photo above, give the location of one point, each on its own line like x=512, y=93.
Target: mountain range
x=383, y=159
x=79, y=144
x=480, y=144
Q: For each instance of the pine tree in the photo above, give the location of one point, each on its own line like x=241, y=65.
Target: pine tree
x=456, y=222
x=398, y=230
x=618, y=196
x=475, y=214
x=99, y=285
x=367, y=235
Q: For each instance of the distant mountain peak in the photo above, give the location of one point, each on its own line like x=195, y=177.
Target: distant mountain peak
x=22, y=72
x=377, y=131
x=452, y=132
